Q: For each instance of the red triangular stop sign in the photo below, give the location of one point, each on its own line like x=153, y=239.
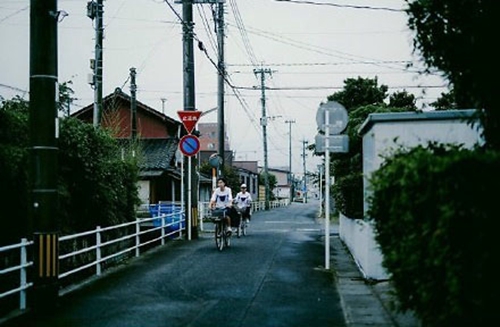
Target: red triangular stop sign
x=189, y=118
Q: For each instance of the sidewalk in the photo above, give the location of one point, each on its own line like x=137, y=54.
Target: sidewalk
x=363, y=303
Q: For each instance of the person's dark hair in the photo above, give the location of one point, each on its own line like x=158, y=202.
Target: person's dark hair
x=222, y=179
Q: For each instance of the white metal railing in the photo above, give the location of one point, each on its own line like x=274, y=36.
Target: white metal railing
x=21, y=268
x=169, y=225
x=92, y=244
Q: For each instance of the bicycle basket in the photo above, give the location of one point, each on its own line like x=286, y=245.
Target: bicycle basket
x=218, y=213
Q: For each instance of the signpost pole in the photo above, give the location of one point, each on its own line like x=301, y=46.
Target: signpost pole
x=189, y=211
x=335, y=112
x=327, y=191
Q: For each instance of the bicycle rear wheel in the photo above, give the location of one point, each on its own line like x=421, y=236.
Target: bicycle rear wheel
x=240, y=227
x=227, y=237
x=219, y=236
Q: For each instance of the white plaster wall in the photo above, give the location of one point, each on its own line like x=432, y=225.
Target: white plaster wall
x=143, y=186
x=358, y=235
x=383, y=137
x=386, y=137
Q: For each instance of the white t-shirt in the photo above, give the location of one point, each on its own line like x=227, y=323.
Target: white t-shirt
x=222, y=198
x=243, y=200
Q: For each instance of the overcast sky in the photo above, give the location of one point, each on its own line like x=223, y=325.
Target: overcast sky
x=311, y=47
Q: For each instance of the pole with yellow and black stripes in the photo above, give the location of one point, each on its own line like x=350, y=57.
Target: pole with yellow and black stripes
x=44, y=133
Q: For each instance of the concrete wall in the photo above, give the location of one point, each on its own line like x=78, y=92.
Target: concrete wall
x=358, y=235
x=383, y=133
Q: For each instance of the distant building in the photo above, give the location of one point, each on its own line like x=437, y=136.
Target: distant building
x=209, y=143
x=249, y=175
x=283, y=185
x=157, y=138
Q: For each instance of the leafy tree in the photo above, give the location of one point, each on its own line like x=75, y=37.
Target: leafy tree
x=455, y=37
x=14, y=140
x=229, y=173
x=403, y=99
x=272, y=183
x=359, y=92
x=347, y=167
x=96, y=187
x=445, y=102
x=65, y=97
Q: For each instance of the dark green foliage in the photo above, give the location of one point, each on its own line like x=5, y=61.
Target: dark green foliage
x=445, y=102
x=403, y=99
x=229, y=174
x=359, y=92
x=434, y=216
x=348, y=195
x=96, y=187
x=453, y=36
x=272, y=183
x=14, y=139
x=348, y=168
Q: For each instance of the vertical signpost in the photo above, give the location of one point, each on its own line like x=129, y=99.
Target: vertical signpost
x=189, y=145
x=332, y=119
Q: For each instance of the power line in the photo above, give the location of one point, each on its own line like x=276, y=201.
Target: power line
x=320, y=50
x=243, y=32
x=13, y=14
x=340, y=6
x=290, y=64
x=307, y=88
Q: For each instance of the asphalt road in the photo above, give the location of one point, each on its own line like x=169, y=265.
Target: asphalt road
x=272, y=277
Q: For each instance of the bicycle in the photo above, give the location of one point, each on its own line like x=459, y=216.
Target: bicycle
x=222, y=238
x=242, y=225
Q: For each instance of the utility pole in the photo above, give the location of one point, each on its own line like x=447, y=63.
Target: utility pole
x=290, y=174
x=304, y=155
x=221, y=67
x=133, y=103
x=95, y=11
x=44, y=132
x=191, y=177
x=163, y=100
x=263, y=122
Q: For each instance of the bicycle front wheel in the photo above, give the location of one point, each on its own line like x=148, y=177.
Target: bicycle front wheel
x=244, y=227
x=219, y=236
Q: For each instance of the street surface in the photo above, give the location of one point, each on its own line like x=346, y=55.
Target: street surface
x=274, y=276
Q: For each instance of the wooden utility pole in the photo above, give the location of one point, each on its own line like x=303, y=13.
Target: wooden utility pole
x=304, y=155
x=44, y=132
x=95, y=12
x=191, y=178
x=133, y=103
x=263, y=122
x=221, y=82
x=290, y=174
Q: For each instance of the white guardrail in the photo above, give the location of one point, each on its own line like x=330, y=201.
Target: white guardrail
x=95, y=248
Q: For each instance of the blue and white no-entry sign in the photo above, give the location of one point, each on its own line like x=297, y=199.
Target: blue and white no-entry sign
x=189, y=145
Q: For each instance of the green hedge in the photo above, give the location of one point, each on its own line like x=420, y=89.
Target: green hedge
x=96, y=186
x=434, y=210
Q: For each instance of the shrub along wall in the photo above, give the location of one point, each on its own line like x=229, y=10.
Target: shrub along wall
x=96, y=186
x=434, y=210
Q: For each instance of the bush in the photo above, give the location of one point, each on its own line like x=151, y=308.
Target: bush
x=95, y=187
x=433, y=217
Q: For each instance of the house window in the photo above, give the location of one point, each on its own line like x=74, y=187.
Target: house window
x=210, y=145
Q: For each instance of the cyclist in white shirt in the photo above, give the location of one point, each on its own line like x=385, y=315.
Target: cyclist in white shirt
x=222, y=198
x=243, y=200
